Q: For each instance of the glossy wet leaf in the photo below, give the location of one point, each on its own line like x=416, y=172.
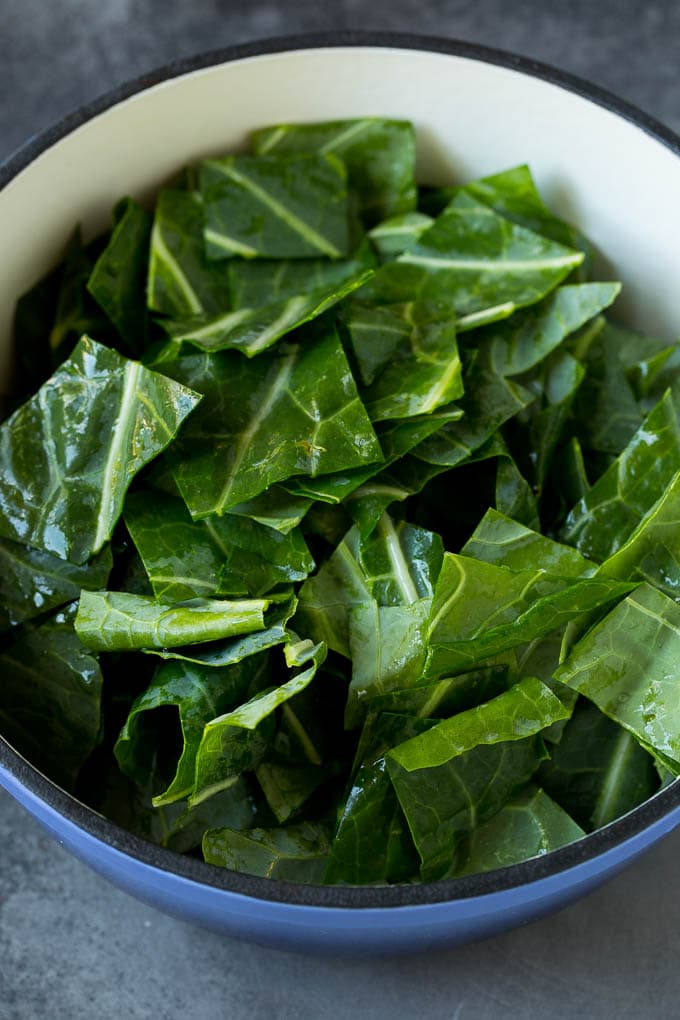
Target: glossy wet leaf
x=119, y=621
x=68, y=456
x=472, y=260
x=598, y=771
x=275, y=206
x=289, y=411
x=604, y=519
x=505, y=542
x=33, y=582
x=627, y=665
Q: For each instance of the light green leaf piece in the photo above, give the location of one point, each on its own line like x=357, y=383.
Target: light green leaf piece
x=472, y=260
x=110, y=621
x=253, y=330
x=627, y=665
x=217, y=556
x=397, y=234
x=181, y=281
x=598, y=771
x=199, y=694
x=228, y=651
x=502, y=541
x=50, y=697
x=379, y=155
x=275, y=206
x=239, y=740
x=530, y=825
x=608, y=514
x=463, y=770
x=68, y=456
x=34, y=582
x=295, y=410
x=118, y=279
x=297, y=853
x=480, y=610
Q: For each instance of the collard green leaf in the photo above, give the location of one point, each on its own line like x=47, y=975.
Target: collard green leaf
x=199, y=694
x=502, y=541
x=216, y=556
x=253, y=330
x=379, y=155
x=472, y=260
x=181, y=281
x=530, y=335
x=423, y=373
x=274, y=508
x=607, y=413
x=288, y=787
x=50, y=697
x=398, y=565
x=463, y=770
x=530, y=825
x=118, y=279
x=68, y=456
x=34, y=582
x=372, y=842
x=230, y=650
x=627, y=665
x=275, y=206
x=296, y=853
x=513, y=193
x=239, y=740
x=604, y=519
x=110, y=621
x=443, y=697
x=398, y=233
x=598, y=771
x=258, y=282
x=289, y=411
x=481, y=609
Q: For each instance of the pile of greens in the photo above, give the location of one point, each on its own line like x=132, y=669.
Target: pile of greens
x=339, y=524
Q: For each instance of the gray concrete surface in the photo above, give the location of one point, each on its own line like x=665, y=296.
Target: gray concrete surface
x=74, y=948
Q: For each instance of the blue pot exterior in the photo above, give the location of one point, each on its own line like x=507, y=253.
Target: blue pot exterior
x=327, y=929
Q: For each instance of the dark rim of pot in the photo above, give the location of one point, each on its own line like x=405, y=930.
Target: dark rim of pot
x=586, y=849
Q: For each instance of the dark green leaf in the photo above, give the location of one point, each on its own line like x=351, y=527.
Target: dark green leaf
x=68, y=456
x=118, y=280
x=216, y=556
x=379, y=155
x=275, y=206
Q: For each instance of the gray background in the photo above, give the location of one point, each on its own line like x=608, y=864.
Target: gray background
x=71, y=946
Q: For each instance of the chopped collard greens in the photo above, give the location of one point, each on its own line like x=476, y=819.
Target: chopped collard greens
x=340, y=520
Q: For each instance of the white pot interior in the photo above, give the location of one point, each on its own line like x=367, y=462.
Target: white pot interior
x=619, y=184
